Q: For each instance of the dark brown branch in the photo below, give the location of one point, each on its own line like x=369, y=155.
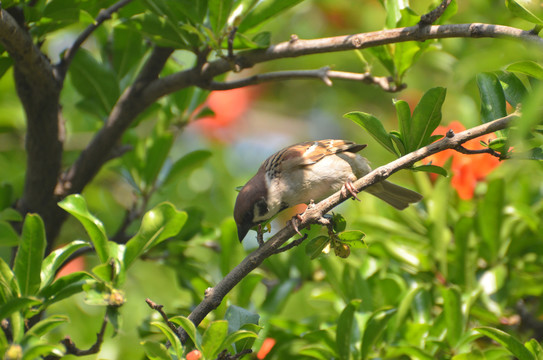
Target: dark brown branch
x=104, y=15
x=432, y=16
x=39, y=93
x=466, y=151
x=291, y=245
x=313, y=215
x=159, y=308
x=74, y=350
x=325, y=74
x=224, y=355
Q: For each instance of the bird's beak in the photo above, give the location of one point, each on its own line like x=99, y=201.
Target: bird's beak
x=243, y=229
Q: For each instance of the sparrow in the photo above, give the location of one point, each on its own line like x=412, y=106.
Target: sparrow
x=306, y=172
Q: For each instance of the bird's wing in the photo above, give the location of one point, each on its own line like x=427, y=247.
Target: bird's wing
x=308, y=153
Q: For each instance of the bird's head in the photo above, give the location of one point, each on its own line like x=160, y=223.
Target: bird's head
x=251, y=204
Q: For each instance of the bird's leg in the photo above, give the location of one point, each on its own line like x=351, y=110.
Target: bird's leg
x=260, y=235
x=348, y=188
x=294, y=223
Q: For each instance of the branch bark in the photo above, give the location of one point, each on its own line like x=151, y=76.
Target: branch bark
x=214, y=296
x=39, y=92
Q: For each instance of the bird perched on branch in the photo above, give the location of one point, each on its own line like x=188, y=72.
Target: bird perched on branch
x=305, y=172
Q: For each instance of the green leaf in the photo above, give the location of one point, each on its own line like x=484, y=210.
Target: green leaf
x=65, y=286
x=383, y=54
x=56, y=259
x=190, y=328
x=17, y=304
x=355, y=238
x=186, y=164
x=5, y=64
x=46, y=325
x=171, y=336
x=509, y=342
x=158, y=224
x=237, y=317
x=339, y=223
x=40, y=350
x=95, y=82
x=77, y=206
x=404, y=308
x=264, y=10
x=426, y=118
x=10, y=214
x=8, y=283
x=529, y=68
x=374, y=127
x=514, y=89
x=8, y=236
x=492, y=97
x=374, y=328
x=218, y=14
x=128, y=50
x=238, y=336
x=30, y=255
x=431, y=169
x=158, y=147
x=454, y=319
x=155, y=350
x=489, y=218
x=344, y=331
x=403, y=113
x=535, y=348
x=315, y=246
x=519, y=10
x=213, y=338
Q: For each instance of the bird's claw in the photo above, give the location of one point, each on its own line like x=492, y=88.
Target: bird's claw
x=348, y=189
x=294, y=223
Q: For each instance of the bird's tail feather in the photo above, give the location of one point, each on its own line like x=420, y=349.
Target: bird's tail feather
x=395, y=195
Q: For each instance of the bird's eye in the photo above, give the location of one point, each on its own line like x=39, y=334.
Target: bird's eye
x=261, y=208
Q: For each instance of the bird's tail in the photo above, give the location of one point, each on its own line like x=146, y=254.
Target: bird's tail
x=395, y=195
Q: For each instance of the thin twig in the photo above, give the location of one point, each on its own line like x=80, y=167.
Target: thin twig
x=104, y=15
x=490, y=151
x=158, y=307
x=225, y=355
x=432, y=16
x=312, y=215
x=291, y=245
x=324, y=73
x=74, y=350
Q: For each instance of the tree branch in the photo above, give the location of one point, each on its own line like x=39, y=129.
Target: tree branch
x=299, y=47
x=74, y=350
x=215, y=295
x=104, y=15
x=432, y=16
x=325, y=74
x=39, y=93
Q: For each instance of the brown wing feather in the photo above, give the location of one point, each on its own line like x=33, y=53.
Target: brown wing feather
x=308, y=153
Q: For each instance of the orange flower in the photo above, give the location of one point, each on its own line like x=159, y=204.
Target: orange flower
x=194, y=355
x=467, y=169
x=228, y=107
x=266, y=347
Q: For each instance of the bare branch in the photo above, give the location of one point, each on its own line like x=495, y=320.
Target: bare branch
x=435, y=14
x=298, y=47
x=312, y=215
x=74, y=350
x=325, y=74
x=104, y=15
x=159, y=308
x=466, y=151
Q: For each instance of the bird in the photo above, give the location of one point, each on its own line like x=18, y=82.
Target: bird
x=309, y=172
